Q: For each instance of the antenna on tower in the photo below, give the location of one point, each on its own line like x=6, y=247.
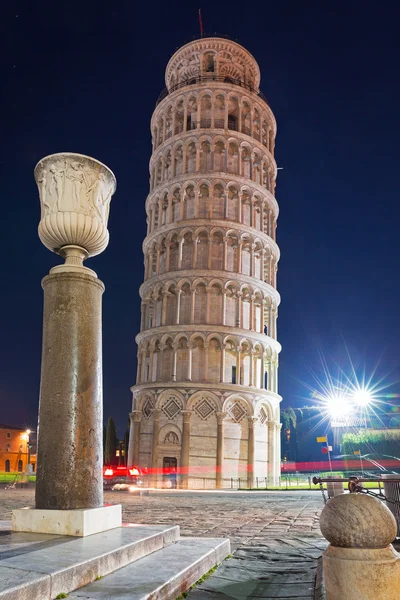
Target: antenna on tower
x=201, y=24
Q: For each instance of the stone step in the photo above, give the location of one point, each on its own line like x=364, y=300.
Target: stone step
x=163, y=575
x=62, y=564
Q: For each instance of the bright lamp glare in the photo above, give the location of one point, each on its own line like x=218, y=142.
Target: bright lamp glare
x=337, y=405
x=362, y=397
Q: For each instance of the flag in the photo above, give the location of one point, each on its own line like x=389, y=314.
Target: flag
x=322, y=439
x=200, y=23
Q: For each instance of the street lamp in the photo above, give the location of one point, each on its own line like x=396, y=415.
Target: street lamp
x=362, y=397
x=28, y=448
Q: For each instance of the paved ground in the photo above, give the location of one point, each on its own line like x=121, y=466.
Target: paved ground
x=274, y=535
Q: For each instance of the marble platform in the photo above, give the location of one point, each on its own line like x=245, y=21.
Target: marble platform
x=135, y=561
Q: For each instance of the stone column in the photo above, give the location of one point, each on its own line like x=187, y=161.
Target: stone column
x=185, y=448
x=222, y=365
x=154, y=452
x=220, y=448
x=174, y=361
x=271, y=453
x=189, y=365
x=136, y=417
x=250, y=451
x=178, y=306
x=69, y=473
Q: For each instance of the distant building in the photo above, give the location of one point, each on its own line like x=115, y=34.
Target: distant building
x=15, y=449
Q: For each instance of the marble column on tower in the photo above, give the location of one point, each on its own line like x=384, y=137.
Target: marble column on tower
x=75, y=193
x=220, y=448
x=185, y=448
x=154, y=452
x=272, y=452
x=250, y=451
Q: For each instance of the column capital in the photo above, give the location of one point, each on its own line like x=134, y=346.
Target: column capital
x=220, y=417
x=156, y=414
x=135, y=416
x=186, y=415
x=252, y=421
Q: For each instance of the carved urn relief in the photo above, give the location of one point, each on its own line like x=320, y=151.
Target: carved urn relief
x=75, y=194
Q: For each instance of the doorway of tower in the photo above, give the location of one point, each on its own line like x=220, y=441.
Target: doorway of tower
x=170, y=465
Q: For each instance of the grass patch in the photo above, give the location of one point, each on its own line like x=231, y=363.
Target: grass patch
x=99, y=577
x=199, y=581
x=10, y=477
x=62, y=595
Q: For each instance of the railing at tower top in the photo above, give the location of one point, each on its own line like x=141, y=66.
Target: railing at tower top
x=210, y=79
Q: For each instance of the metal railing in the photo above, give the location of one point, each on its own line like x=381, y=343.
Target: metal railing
x=210, y=78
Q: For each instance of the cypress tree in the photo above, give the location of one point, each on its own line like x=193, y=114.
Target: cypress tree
x=111, y=443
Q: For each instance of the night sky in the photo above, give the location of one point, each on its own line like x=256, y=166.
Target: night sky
x=84, y=77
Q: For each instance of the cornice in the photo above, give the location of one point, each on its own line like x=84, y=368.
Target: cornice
x=224, y=330
x=213, y=177
x=212, y=224
x=253, y=282
x=229, y=88
x=228, y=134
x=231, y=388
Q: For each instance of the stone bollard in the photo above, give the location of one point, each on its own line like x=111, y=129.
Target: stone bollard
x=360, y=563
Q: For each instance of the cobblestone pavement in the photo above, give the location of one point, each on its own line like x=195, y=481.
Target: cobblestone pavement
x=275, y=536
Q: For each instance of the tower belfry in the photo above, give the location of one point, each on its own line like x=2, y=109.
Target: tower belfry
x=206, y=395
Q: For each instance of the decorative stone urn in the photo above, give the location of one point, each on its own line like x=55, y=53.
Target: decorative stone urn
x=75, y=193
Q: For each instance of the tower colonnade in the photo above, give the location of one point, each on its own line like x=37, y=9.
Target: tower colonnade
x=206, y=399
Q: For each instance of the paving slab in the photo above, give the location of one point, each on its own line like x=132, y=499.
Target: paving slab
x=160, y=576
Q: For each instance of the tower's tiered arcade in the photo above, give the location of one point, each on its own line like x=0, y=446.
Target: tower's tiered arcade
x=206, y=397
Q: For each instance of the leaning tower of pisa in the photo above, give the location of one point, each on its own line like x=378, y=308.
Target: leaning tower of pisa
x=206, y=396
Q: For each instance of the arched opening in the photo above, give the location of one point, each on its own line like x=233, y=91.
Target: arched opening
x=187, y=251
x=233, y=114
x=215, y=305
x=219, y=156
x=205, y=157
x=7, y=466
x=233, y=203
x=191, y=121
x=167, y=360
x=206, y=108
x=198, y=360
x=214, y=360
x=233, y=159
x=230, y=362
x=179, y=115
x=191, y=158
x=204, y=202
x=217, y=252
x=185, y=304
x=200, y=308
x=219, y=112
x=218, y=207
x=189, y=200
x=232, y=252
x=182, y=360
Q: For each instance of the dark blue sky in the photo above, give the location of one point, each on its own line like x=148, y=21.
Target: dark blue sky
x=84, y=77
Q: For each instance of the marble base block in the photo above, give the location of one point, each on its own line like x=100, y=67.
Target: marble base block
x=80, y=522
